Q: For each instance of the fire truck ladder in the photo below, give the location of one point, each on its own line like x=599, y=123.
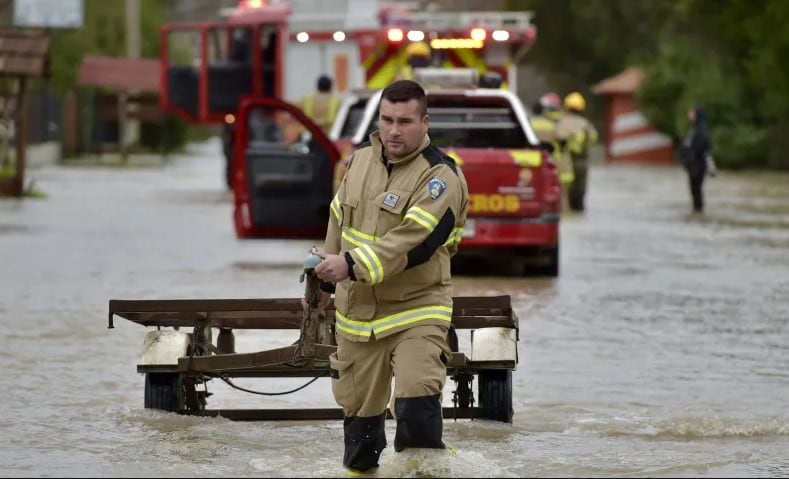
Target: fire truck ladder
x=490, y=20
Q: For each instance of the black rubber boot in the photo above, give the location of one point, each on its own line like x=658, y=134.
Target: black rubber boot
x=365, y=440
x=419, y=423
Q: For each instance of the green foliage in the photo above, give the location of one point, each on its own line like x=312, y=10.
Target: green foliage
x=730, y=56
x=684, y=77
x=582, y=42
x=103, y=33
x=739, y=146
x=165, y=137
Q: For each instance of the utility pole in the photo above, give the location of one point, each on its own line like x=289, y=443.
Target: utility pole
x=129, y=128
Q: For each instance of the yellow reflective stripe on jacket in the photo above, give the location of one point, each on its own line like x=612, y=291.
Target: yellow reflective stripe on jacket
x=577, y=143
x=371, y=262
x=453, y=154
x=454, y=237
x=366, y=328
x=567, y=177
x=357, y=238
x=543, y=125
x=580, y=141
x=335, y=207
x=422, y=217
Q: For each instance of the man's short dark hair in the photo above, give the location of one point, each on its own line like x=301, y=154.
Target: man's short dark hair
x=324, y=83
x=403, y=91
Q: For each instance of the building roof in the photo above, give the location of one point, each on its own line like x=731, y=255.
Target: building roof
x=123, y=73
x=626, y=81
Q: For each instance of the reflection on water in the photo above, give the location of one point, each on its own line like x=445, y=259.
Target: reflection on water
x=660, y=351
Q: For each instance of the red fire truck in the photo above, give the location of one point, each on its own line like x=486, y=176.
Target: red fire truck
x=236, y=71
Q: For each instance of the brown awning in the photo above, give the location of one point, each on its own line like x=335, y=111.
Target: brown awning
x=122, y=73
x=626, y=81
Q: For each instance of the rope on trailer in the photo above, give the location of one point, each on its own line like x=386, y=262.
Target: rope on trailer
x=230, y=383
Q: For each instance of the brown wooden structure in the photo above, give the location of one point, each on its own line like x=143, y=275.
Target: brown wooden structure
x=136, y=86
x=22, y=55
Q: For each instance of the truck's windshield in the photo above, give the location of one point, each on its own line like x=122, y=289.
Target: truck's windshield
x=474, y=123
x=353, y=118
x=466, y=121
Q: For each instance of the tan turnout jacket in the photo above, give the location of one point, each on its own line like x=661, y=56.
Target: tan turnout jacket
x=400, y=220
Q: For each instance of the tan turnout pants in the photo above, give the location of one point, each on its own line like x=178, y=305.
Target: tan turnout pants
x=363, y=371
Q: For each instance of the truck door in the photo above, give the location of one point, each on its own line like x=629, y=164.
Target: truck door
x=283, y=165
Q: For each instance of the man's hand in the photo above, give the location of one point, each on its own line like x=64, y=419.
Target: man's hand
x=333, y=268
x=322, y=303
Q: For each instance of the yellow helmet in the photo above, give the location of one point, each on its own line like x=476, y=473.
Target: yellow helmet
x=575, y=101
x=418, y=49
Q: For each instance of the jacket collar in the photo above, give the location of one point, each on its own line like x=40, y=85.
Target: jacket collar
x=378, y=149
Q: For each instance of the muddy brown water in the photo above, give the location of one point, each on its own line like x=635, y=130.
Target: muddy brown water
x=661, y=350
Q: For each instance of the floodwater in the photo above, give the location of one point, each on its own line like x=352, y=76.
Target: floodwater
x=661, y=350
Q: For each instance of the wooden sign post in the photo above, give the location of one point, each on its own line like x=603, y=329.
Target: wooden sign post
x=22, y=56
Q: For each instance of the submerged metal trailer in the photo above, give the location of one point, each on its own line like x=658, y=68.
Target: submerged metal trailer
x=180, y=356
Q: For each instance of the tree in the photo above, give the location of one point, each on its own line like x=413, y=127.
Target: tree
x=103, y=33
x=729, y=55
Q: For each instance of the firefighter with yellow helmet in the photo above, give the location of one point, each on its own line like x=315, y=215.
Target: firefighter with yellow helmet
x=574, y=134
x=417, y=55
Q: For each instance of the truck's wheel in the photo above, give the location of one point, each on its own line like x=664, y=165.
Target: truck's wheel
x=161, y=391
x=495, y=394
x=552, y=267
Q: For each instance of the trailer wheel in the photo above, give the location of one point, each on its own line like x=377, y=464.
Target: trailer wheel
x=161, y=391
x=495, y=394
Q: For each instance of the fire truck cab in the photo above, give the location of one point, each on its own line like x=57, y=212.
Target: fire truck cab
x=230, y=72
x=281, y=166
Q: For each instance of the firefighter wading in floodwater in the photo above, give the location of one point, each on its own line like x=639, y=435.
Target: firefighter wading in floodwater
x=395, y=222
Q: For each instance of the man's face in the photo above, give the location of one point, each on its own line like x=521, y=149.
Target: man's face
x=401, y=126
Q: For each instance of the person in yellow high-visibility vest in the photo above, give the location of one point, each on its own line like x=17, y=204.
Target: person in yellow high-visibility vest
x=575, y=134
x=546, y=114
x=322, y=105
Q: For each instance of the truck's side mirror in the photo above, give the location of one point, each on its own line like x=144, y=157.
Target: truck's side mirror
x=549, y=147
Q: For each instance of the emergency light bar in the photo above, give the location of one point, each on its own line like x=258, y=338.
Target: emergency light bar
x=451, y=43
x=437, y=77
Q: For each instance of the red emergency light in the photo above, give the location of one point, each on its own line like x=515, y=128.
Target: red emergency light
x=244, y=4
x=394, y=35
x=478, y=34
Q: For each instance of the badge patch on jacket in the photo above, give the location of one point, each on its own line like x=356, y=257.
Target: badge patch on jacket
x=436, y=187
x=391, y=200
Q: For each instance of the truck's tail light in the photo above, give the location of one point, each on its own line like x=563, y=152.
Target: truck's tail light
x=552, y=193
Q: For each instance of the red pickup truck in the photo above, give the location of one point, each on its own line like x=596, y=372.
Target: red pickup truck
x=513, y=184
